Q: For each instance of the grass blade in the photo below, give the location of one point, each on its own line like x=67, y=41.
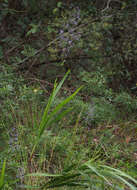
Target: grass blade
x=63, y=103
x=44, y=175
x=94, y=169
x=47, y=117
x=2, y=175
x=124, y=181
x=44, y=124
x=120, y=173
x=60, y=84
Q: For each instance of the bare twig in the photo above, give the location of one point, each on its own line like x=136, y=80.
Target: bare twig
x=107, y=7
x=108, y=4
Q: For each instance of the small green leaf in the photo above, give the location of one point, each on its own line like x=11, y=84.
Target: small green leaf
x=33, y=30
x=59, y=4
x=55, y=10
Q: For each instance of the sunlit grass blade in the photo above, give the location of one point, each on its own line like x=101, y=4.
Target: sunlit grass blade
x=109, y=175
x=97, y=172
x=56, y=111
x=60, y=84
x=46, y=117
x=123, y=180
x=121, y=176
x=2, y=175
x=45, y=123
x=46, y=111
x=29, y=187
x=63, y=103
x=120, y=173
x=52, y=116
x=44, y=175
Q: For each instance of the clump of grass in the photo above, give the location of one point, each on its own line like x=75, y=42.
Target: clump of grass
x=49, y=117
x=91, y=175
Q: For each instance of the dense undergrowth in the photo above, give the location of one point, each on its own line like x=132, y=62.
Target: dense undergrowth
x=81, y=132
